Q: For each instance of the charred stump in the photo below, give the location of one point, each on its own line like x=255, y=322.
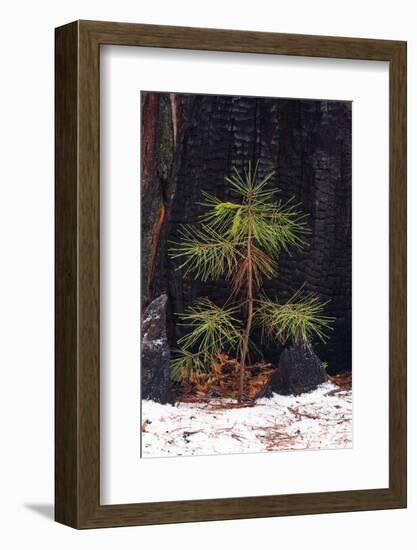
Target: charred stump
x=299, y=371
x=190, y=142
x=156, y=384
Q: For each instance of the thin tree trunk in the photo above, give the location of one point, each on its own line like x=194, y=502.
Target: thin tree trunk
x=246, y=334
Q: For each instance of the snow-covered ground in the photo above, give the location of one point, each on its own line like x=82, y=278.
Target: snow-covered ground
x=321, y=419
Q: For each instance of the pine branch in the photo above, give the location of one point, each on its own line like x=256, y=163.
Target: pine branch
x=187, y=366
x=206, y=253
x=211, y=327
x=300, y=319
x=212, y=330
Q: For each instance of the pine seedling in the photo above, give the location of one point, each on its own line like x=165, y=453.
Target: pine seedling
x=241, y=241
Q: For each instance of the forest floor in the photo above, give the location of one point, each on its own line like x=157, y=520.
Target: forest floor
x=321, y=419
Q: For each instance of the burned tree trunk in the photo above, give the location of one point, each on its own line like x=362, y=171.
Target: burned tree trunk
x=299, y=371
x=156, y=384
x=190, y=142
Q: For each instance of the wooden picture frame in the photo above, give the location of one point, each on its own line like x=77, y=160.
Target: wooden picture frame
x=77, y=405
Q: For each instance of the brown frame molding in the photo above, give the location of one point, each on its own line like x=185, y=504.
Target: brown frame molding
x=77, y=274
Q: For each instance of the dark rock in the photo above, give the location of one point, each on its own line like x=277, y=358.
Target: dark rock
x=156, y=353
x=299, y=371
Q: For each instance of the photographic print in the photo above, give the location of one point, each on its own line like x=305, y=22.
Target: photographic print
x=246, y=241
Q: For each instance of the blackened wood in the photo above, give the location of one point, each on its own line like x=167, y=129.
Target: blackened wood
x=307, y=144
x=155, y=353
x=299, y=371
x=77, y=269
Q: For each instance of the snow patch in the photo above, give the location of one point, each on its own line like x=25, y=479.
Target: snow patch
x=321, y=419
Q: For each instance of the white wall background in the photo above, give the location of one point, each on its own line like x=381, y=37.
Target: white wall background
x=26, y=272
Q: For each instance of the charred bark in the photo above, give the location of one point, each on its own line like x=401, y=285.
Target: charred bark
x=156, y=381
x=299, y=371
x=197, y=141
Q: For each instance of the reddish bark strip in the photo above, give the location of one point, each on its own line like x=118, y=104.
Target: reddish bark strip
x=173, y=99
x=148, y=130
x=156, y=232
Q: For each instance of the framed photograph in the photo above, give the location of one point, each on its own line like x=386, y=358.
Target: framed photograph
x=230, y=274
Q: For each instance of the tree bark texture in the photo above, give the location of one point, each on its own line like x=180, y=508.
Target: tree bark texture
x=299, y=371
x=155, y=353
x=189, y=143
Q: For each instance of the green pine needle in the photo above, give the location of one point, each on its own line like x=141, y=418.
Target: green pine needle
x=217, y=247
x=211, y=330
x=185, y=365
x=300, y=319
x=211, y=327
x=205, y=252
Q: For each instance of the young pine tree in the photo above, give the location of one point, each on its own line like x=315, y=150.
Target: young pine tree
x=241, y=241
